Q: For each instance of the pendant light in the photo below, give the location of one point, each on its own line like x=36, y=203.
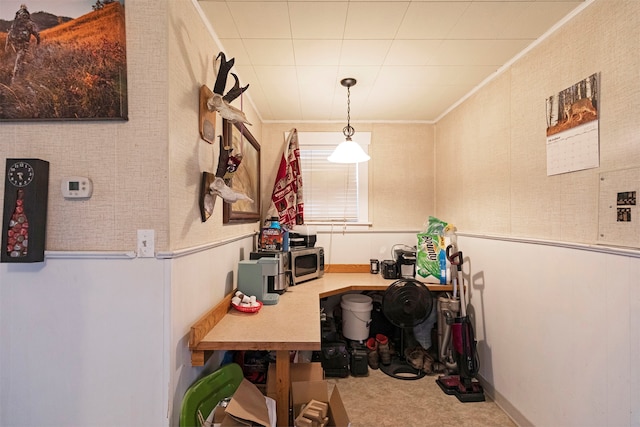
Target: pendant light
x=348, y=151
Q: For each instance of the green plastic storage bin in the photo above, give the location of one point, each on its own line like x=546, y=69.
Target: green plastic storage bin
x=205, y=393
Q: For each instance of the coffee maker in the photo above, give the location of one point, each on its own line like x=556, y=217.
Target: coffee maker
x=406, y=263
x=280, y=282
x=253, y=279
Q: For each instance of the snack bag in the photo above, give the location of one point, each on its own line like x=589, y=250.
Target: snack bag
x=431, y=260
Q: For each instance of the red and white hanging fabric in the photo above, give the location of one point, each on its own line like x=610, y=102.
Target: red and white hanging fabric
x=286, y=198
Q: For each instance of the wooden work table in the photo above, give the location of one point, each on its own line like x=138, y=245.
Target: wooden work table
x=291, y=324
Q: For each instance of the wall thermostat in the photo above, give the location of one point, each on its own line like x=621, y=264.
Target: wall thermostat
x=77, y=187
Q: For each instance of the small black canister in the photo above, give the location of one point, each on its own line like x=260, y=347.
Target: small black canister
x=375, y=266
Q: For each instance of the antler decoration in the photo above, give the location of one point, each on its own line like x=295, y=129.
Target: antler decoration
x=222, y=103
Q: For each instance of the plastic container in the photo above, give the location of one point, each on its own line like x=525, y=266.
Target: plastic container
x=356, y=316
x=274, y=222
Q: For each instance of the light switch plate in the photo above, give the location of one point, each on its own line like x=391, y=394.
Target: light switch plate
x=146, y=243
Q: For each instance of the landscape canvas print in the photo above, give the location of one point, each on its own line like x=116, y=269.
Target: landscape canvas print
x=63, y=60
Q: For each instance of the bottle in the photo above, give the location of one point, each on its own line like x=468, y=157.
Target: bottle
x=272, y=235
x=275, y=222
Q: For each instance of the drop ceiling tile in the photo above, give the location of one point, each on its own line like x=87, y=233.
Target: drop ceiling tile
x=365, y=75
x=397, y=105
x=294, y=53
x=280, y=88
x=395, y=77
x=317, y=52
x=391, y=103
x=412, y=52
x=254, y=94
x=234, y=48
x=430, y=20
x=318, y=20
x=443, y=97
x=261, y=19
x=317, y=108
x=431, y=76
x=283, y=109
x=485, y=20
x=478, y=52
x=247, y=76
x=537, y=18
x=461, y=75
x=220, y=18
x=270, y=51
x=373, y=20
x=317, y=87
x=318, y=80
x=364, y=52
x=391, y=1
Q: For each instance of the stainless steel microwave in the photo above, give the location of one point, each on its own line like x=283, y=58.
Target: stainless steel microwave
x=306, y=263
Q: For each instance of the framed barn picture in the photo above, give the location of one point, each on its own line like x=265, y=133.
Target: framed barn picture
x=63, y=60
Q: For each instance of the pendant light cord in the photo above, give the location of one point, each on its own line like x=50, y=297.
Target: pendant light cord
x=348, y=131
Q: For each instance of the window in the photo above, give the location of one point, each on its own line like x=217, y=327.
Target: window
x=333, y=192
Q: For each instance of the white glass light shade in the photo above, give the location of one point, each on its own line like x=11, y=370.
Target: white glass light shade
x=348, y=152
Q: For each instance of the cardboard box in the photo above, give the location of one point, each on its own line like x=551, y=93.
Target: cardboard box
x=307, y=384
x=247, y=407
x=303, y=392
x=297, y=372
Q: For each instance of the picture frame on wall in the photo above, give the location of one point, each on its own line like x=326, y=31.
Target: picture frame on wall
x=63, y=60
x=246, y=178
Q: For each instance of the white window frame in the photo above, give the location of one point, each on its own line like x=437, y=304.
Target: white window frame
x=332, y=139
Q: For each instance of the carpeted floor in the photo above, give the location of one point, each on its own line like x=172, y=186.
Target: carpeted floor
x=383, y=401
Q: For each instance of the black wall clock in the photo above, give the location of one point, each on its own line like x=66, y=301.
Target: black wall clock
x=26, y=189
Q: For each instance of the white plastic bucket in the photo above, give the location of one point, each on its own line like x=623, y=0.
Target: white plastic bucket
x=356, y=316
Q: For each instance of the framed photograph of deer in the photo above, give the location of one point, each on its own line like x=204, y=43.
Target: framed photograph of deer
x=63, y=60
x=242, y=173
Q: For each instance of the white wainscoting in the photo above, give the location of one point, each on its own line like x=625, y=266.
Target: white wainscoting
x=557, y=330
x=353, y=247
x=83, y=343
x=95, y=339
x=88, y=341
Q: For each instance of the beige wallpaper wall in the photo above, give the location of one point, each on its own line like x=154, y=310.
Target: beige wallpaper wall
x=401, y=169
x=192, y=51
x=127, y=161
x=491, y=150
x=132, y=164
x=491, y=156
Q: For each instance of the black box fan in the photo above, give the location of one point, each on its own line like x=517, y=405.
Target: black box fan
x=406, y=303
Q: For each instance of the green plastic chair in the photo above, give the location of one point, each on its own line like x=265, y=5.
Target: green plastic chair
x=205, y=393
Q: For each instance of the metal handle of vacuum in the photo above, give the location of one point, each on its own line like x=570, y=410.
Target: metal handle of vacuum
x=455, y=258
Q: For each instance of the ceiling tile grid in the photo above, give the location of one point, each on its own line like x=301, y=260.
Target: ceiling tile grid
x=413, y=59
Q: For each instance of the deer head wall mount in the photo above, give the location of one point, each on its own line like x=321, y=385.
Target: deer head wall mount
x=219, y=101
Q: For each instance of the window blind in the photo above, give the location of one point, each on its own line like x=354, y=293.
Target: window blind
x=330, y=189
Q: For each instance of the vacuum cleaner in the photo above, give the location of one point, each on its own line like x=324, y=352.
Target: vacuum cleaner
x=463, y=384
